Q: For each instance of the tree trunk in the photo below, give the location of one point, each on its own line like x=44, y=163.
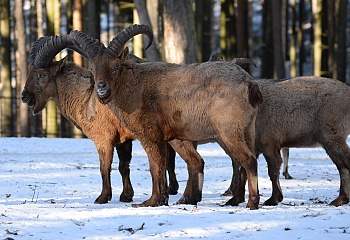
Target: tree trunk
x=341, y=40
x=331, y=37
x=51, y=109
x=6, y=114
x=77, y=58
x=228, y=41
x=179, y=32
x=267, y=61
x=152, y=53
x=21, y=70
x=293, y=42
x=301, y=37
x=278, y=39
x=242, y=26
x=317, y=17
x=207, y=45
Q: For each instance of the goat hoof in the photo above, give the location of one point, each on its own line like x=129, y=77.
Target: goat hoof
x=271, y=202
x=339, y=201
x=102, y=199
x=173, y=190
x=253, y=203
x=228, y=193
x=188, y=200
x=126, y=196
x=287, y=176
x=151, y=203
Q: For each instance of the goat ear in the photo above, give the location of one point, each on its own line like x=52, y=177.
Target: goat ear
x=91, y=108
x=124, y=54
x=62, y=63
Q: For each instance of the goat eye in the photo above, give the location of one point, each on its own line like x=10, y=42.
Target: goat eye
x=41, y=75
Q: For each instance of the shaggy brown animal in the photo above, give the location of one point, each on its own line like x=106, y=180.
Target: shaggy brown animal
x=162, y=102
x=72, y=88
x=302, y=112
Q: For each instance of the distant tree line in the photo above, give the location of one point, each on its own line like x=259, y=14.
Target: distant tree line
x=285, y=38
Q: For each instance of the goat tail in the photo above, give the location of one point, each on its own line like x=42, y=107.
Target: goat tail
x=255, y=96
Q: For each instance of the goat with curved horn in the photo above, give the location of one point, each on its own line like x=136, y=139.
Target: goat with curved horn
x=72, y=87
x=163, y=102
x=93, y=47
x=125, y=35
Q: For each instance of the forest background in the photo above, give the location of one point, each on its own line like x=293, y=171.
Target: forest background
x=285, y=38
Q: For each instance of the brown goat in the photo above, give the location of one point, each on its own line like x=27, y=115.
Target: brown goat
x=72, y=88
x=162, y=102
x=302, y=112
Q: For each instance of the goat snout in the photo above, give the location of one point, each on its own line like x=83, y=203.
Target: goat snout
x=27, y=98
x=102, y=89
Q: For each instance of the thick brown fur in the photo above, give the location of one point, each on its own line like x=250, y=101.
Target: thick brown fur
x=303, y=112
x=161, y=102
x=72, y=88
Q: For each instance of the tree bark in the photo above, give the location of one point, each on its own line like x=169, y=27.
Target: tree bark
x=267, y=61
x=277, y=39
x=21, y=70
x=341, y=40
x=152, y=53
x=228, y=41
x=293, y=42
x=179, y=32
x=6, y=114
x=243, y=31
x=51, y=109
x=317, y=17
x=207, y=45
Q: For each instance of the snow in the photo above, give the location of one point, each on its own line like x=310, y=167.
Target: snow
x=48, y=187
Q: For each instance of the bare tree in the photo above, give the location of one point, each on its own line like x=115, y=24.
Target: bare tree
x=267, y=45
x=279, y=59
x=21, y=70
x=341, y=20
x=228, y=41
x=152, y=53
x=6, y=114
x=179, y=33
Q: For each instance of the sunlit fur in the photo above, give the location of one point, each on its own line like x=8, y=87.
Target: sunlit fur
x=160, y=102
x=72, y=88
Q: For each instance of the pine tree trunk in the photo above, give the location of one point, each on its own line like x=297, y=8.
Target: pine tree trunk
x=51, y=109
x=341, y=40
x=267, y=61
x=293, y=42
x=207, y=46
x=278, y=39
x=21, y=70
x=152, y=53
x=317, y=16
x=301, y=37
x=179, y=32
x=243, y=31
x=6, y=114
x=228, y=41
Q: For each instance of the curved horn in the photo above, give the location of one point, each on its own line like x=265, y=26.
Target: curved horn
x=125, y=35
x=35, y=48
x=90, y=47
x=49, y=50
x=241, y=61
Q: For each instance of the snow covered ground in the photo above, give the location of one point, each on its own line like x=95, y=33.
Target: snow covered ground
x=48, y=187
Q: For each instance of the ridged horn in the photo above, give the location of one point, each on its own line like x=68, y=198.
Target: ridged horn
x=49, y=50
x=89, y=46
x=35, y=48
x=115, y=46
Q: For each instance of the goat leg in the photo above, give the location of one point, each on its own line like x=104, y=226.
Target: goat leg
x=124, y=154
